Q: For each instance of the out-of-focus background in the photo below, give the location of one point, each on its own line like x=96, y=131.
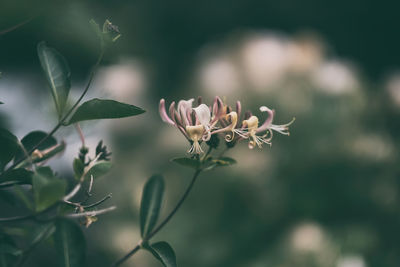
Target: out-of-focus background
x=328, y=195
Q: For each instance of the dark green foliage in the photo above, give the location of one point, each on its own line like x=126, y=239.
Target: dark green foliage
x=163, y=252
x=104, y=109
x=47, y=188
x=30, y=140
x=150, y=205
x=70, y=243
x=8, y=147
x=57, y=74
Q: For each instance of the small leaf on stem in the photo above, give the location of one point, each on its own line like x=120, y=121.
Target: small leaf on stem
x=57, y=74
x=47, y=188
x=163, y=252
x=150, y=206
x=104, y=109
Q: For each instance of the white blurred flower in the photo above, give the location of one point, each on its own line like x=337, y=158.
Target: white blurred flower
x=264, y=58
x=122, y=81
x=335, y=77
x=219, y=76
x=393, y=88
x=308, y=237
x=304, y=55
x=351, y=261
x=372, y=147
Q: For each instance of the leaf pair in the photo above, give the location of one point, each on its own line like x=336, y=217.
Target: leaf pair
x=150, y=207
x=58, y=75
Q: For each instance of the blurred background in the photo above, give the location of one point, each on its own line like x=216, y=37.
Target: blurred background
x=328, y=195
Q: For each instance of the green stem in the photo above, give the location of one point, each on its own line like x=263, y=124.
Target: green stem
x=163, y=223
x=62, y=121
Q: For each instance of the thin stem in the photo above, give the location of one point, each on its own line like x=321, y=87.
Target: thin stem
x=164, y=222
x=127, y=256
x=172, y=213
x=62, y=121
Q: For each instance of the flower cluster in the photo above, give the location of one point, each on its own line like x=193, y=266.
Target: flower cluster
x=199, y=123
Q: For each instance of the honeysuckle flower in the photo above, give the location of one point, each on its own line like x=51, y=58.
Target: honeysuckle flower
x=194, y=123
x=250, y=129
x=229, y=122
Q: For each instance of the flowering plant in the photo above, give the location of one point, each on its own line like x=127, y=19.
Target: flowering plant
x=51, y=203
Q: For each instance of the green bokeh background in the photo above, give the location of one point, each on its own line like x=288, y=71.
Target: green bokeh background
x=328, y=195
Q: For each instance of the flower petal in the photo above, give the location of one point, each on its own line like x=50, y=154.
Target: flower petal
x=203, y=114
x=163, y=113
x=267, y=123
x=183, y=107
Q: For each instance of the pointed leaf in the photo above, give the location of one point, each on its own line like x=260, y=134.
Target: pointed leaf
x=47, y=189
x=99, y=168
x=32, y=139
x=16, y=176
x=163, y=252
x=57, y=74
x=187, y=162
x=8, y=147
x=104, y=109
x=70, y=243
x=78, y=167
x=150, y=205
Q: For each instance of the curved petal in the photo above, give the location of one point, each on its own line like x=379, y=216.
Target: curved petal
x=183, y=107
x=203, y=114
x=163, y=113
x=267, y=123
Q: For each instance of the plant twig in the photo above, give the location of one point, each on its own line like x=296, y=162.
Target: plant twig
x=66, y=116
x=163, y=223
x=90, y=213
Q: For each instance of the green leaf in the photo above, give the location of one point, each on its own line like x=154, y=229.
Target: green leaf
x=8, y=251
x=187, y=162
x=57, y=73
x=225, y=161
x=78, y=167
x=16, y=176
x=150, y=205
x=8, y=147
x=1, y=103
x=163, y=252
x=99, y=168
x=30, y=140
x=47, y=189
x=104, y=109
x=70, y=243
x=42, y=232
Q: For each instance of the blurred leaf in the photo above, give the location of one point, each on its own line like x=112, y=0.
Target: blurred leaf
x=150, y=205
x=187, y=162
x=78, y=168
x=57, y=73
x=23, y=196
x=104, y=109
x=42, y=232
x=31, y=140
x=1, y=103
x=8, y=251
x=225, y=161
x=47, y=188
x=96, y=29
x=70, y=243
x=20, y=176
x=163, y=252
x=99, y=169
x=8, y=147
